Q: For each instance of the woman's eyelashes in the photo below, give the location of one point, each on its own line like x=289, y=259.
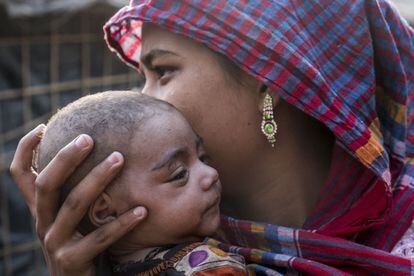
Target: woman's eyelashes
x=161, y=73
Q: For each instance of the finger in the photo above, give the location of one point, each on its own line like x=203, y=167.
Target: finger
x=53, y=176
x=22, y=160
x=84, y=194
x=21, y=165
x=96, y=242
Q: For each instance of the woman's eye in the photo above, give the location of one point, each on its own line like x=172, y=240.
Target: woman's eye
x=179, y=176
x=160, y=71
x=163, y=72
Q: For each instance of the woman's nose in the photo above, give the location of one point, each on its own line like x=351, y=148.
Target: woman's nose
x=209, y=177
x=149, y=88
x=145, y=89
x=152, y=90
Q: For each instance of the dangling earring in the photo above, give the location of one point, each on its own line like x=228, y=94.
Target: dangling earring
x=269, y=126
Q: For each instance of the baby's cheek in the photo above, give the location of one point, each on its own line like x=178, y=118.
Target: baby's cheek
x=185, y=216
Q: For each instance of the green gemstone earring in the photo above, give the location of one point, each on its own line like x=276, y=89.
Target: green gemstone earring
x=269, y=126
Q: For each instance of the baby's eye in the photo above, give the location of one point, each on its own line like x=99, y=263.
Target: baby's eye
x=182, y=174
x=205, y=158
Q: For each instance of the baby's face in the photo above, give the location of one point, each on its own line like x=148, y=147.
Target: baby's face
x=168, y=173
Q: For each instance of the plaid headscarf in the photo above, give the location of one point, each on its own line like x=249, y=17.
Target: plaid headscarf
x=347, y=63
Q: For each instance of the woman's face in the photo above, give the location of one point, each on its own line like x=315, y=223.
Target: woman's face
x=225, y=113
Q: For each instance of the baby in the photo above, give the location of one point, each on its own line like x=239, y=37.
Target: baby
x=166, y=170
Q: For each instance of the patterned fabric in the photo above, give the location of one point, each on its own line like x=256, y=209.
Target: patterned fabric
x=304, y=251
x=405, y=247
x=349, y=64
x=195, y=259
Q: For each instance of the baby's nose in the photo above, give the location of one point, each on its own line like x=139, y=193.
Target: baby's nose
x=210, y=177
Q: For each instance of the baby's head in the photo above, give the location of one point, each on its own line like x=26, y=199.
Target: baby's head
x=165, y=167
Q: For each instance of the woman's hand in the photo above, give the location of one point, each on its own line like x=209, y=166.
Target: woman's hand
x=66, y=251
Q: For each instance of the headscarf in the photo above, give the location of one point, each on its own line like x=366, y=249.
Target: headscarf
x=347, y=63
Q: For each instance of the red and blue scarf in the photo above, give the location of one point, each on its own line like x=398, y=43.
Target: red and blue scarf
x=347, y=63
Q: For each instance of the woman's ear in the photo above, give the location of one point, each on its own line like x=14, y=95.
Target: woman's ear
x=102, y=211
x=263, y=90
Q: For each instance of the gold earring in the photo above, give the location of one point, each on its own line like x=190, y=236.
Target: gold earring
x=269, y=126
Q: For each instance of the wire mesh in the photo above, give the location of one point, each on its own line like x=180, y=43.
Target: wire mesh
x=41, y=71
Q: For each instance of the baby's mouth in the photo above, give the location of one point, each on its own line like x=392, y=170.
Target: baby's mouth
x=214, y=203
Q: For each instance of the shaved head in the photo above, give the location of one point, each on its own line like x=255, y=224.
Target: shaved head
x=111, y=118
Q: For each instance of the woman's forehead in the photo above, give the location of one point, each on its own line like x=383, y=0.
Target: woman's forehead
x=154, y=37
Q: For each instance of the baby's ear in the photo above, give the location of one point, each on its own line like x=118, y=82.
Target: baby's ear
x=101, y=211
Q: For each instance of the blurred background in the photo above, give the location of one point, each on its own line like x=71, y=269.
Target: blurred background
x=51, y=53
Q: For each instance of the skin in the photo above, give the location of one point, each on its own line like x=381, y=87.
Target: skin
x=277, y=185
x=228, y=116
x=167, y=173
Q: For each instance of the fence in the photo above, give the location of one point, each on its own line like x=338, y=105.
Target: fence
x=44, y=64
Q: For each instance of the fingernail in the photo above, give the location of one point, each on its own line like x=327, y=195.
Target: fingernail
x=139, y=211
x=40, y=128
x=82, y=141
x=115, y=157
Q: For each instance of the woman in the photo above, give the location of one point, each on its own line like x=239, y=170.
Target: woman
x=330, y=67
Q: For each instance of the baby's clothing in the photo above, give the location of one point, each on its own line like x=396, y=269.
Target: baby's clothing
x=405, y=246
x=185, y=259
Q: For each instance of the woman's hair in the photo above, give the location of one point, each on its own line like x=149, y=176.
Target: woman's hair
x=111, y=118
x=232, y=71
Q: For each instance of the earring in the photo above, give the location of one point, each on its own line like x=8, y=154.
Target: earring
x=269, y=126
